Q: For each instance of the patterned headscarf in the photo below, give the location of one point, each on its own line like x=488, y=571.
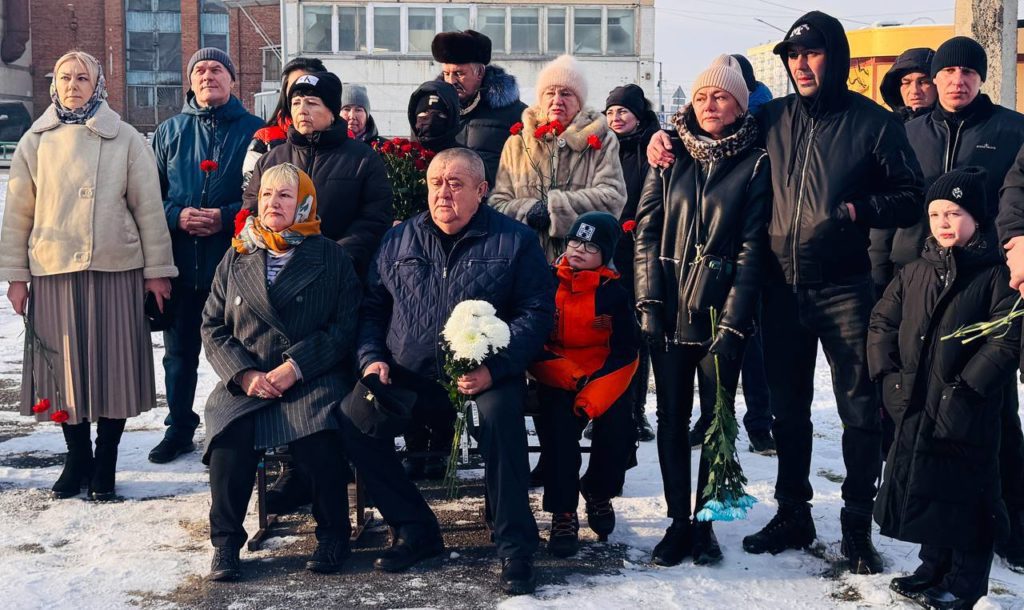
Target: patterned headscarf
x=252, y=235
x=79, y=116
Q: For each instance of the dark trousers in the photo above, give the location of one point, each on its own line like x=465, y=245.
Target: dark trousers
x=233, y=471
x=433, y=416
x=182, y=343
x=962, y=573
x=559, y=429
x=638, y=386
x=794, y=322
x=1011, y=454
x=675, y=368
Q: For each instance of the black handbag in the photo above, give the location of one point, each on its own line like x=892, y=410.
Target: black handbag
x=710, y=276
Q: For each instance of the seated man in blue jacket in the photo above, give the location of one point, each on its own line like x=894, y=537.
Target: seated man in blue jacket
x=456, y=251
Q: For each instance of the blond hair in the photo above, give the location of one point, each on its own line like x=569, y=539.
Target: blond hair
x=90, y=63
x=285, y=173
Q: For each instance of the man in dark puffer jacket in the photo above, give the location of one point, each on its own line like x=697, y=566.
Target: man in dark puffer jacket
x=489, y=96
x=351, y=181
x=458, y=250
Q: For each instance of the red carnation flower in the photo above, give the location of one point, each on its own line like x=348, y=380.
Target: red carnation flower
x=557, y=127
x=542, y=131
x=42, y=406
x=630, y=225
x=240, y=220
x=388, y=147
x=208, y=165
x=516, y=129
x=429, y=154
x=397, y=141
x=417, y=147
x=594, y=142
x=60, y=416
x=420, y=164
x=406, y=148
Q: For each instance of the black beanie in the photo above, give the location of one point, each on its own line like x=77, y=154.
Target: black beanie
x=599, y=228
x=469, y=47
x=747, y=70
x=963, y=52
x=964, y=187
x=631, y=97
x=324, y=85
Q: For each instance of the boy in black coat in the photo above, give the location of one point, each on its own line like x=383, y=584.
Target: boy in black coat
x=941, y=486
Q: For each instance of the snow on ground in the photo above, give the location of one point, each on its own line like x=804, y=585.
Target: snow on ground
x=77, y=554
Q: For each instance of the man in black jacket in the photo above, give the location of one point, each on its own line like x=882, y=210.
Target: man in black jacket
x=458, y=250
x=841, y=165
x=488, y=96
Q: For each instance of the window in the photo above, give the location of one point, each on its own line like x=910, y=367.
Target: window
x=271, y=63
x=556, y=31
x=587, y=31
x=387, y=29
x=213, y=24
x=491, y=22
x=140, y=5
x=421, y=29
x=316, y=25
x=171, y=6
x=169, y=52
x=525, y=30
x=620, y=32
x=141, y=51
x=454, y=19
x=351, y=28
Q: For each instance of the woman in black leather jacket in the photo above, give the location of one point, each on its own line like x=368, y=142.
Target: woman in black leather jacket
x=713, y=201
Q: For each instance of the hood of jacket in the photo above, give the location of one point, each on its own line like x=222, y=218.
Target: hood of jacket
x=911, y=60
x=370, y=133
x=498, y=89
x=448, y=97
x=832, y=90
x=587, y=122
x=229, y=111
x=759, y=97
x=104, y=123
x=704, y=149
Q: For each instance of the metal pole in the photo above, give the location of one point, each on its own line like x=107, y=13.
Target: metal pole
x=284, y=35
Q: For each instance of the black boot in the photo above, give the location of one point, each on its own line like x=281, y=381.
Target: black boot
x=108, y=437
x=564, y=539
x=600, y=516
x=517, y=576
x=676, y=545
x=790, y=528
x=911, y=586
x=1012, y=549
x=857, y=546
x=697, y=436
x=706, y=551
x=77, y=463
x=290, y=491
x=644, y=430
x=329, y=556
x=408, y=549
x=225, y=565
x=941, y=599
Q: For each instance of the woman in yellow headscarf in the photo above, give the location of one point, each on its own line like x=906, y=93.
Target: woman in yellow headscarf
x=277, y=328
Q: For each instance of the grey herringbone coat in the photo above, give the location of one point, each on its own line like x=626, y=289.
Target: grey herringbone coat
x=307, y=315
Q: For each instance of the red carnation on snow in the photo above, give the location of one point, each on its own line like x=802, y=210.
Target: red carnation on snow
x=208, y=165
x=516, y=129
x=42, y=406
x=594, y=142
x=240, y=220
x=630, y=225
x=60, y=416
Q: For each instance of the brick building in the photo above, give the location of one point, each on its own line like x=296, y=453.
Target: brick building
x=145, y=46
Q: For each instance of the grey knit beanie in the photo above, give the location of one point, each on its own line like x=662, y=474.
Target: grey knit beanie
x=355, y=95
x=212, y=54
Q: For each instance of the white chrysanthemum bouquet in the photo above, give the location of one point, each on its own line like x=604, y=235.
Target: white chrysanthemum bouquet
x=473, y=333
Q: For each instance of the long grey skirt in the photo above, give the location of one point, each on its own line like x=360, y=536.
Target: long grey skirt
x=93, y=331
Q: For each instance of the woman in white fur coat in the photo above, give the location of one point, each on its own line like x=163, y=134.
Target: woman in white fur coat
x=588, y=175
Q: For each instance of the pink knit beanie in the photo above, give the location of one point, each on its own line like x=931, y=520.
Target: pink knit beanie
x=564, y=71
x=725, y=73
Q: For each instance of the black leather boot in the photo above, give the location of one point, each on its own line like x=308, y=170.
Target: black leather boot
x=790, y=528
x=857, y=546
x=676, y=545
x=108, y=437
x=77, y=463
x=600, y=516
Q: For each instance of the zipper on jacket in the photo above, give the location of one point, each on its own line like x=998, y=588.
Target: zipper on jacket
x=438, y=356
x=951, y=152
x=799, y=205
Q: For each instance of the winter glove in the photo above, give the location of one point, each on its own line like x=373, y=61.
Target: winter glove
x=651, y=324
x=538, y=217
x=728, y=345
x=960, y=417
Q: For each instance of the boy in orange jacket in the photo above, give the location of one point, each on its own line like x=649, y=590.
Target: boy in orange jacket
x=584, y=375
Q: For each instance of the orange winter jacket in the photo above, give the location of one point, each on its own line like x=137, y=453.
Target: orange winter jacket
x=594, y=346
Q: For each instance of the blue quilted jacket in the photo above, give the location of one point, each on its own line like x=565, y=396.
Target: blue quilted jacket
x=413, y=287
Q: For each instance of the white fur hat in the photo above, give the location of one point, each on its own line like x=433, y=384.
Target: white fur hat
x=563, y=71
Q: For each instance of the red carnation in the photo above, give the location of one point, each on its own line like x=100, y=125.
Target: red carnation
x=60, y=416
x=417, y=147
x=406, y=148
x=240, y=220
x=388, y=147
x=557, y=127
x=208, y=165
x=420, y=164
x=397, y=141
x=630, y=225
x=594, y=142
x=542, y=131
x=42, y=406
x=516, y=129
x=429, y=154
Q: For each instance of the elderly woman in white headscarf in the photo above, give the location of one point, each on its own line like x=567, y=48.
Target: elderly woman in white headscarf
x=561, y=161
x=84, y=234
